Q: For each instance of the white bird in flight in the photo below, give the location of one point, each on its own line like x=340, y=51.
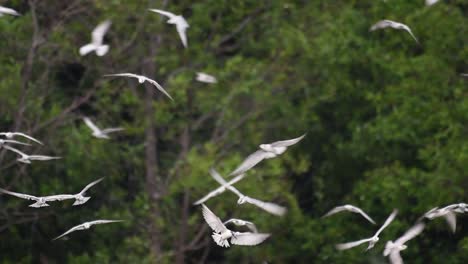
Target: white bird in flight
x=8, y=11
x=396, y=25
x=141, y=79
x=266, y=151
x=372, y=240
x=100, y=133
x=97, y=39
x=25, y=158
x=80, y=198
x=206, y=78
x=40, y=201
x=240, y=222
x=448, y=213
x=86, y=225
x=179, y=21
x=350, y=208
x=272, y=208
x=392, y=249
x=219, y=190
x=221, y=233
x=11, y=135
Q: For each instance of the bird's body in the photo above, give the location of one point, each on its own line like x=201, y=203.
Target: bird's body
x=11, y=135
x=8, y=11
x=266, y=151
x=141, y=79
x=392, y=249
x=350, y=208
x=271, y=208
x=25, y=158
x=372, y=240
x=97, y=39
x=177, y=20
x=221, y=233
x=206, y=78
x=86, y=225
x=100, y=133
x=392, y=24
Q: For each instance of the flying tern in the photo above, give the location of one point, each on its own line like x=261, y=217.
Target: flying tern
x=11, y=135
x=86, y=225
x=97, y=39
x=350, y=208
x=179, y=21
x=25, y=158
x=392, y=249
x=100, y=133
x=141, y=79
x=392, y=24
x=39, y=201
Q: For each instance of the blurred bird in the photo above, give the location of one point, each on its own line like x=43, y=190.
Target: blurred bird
x=392, y=249
x=219, y=190
x=206, y=78
x=240, y=222
x=97, y=132
x=87, y=225
x=221, y=234
x=179, y=21
x=141, y=79
x=350, y=208
x=28, y=158
x=11, y=135
x=372, y=240
x=8, y=11
x=97, y=38
x=266, y=151
x=396, y=25
x=40, y=201
x=80, y=198
x=448, y=213
x=431, y=2
x=272, y=208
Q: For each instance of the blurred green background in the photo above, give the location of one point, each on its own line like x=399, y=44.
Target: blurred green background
x=386, y=122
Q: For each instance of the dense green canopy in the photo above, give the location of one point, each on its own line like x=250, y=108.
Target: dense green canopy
x=386, y=121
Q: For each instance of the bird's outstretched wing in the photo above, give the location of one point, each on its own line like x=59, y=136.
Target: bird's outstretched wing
x=98, y=33
x=100, y=222
x=252, y=160
x=349, y=245
x=272, y=208
x=381, y=24
x=159, y=87
x=91, y=185
x=91, y=125
x=181, y=28
x=217, y=177
x=248, y=239
x=387, y=222
x=112, y=129
x=8, y=141
x=125, y=74
x=219, y=190
x=164, y=13
x=410, y=234
x=334, y=211
x=28, y=137
x=20, y=195
x=42, y=157
x=287, y=143
x=451, y=219
x=213, y=221
x=73, y=229
x=14, y=150
x=361, y=212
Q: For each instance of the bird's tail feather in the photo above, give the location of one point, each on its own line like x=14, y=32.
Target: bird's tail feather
x=220, y=240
